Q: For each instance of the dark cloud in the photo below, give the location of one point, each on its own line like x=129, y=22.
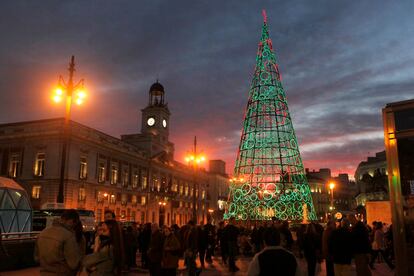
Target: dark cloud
x=341, y=62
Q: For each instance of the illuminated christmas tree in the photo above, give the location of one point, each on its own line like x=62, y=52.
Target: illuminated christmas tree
x=270, y=179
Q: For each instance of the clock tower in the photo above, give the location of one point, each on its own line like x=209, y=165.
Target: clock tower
x=156, y=116
x=155, y=124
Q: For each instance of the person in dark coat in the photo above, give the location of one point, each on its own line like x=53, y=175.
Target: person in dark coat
x=210, y=232
x=231, y=233
x=58, y=249
x=312, y=247
x=256, y=239
x=287, y=235
x=330, y=227
x=130, y=247
x=155, y=251
x=202, y=244
x=273, y=259
x=190, y=245
x=144, y=241
x=222, y=241
x=171, y=253
x=340, y=245
x=361, y=247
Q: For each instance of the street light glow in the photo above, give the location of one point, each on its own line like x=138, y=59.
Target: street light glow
x=331, y=185
x=57, y=99
x=59, y=91
x=81, y=94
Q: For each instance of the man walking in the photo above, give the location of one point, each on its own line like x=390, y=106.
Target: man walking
x=231, y=233
x=57, y=249
x=340, y=245
x=190, y=247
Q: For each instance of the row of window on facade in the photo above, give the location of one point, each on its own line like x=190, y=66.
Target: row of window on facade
x=38, y=167
x=39, y=170
x=130, y=215
x=103, y=197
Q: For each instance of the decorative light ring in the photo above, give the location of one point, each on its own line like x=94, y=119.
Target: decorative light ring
x=267, y=196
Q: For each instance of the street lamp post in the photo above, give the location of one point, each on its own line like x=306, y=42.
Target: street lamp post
x=195, y=158
x=161, y=215
x=67, y=90
x=332, y=187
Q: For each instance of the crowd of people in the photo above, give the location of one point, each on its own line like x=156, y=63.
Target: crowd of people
x=64, y=249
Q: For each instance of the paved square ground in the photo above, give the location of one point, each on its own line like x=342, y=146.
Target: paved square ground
x=216, y=268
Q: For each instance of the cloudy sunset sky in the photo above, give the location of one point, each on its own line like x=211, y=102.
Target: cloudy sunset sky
x=341, y=62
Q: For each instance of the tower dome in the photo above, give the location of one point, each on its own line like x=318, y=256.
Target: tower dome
x=156, y=93
x=156, y=87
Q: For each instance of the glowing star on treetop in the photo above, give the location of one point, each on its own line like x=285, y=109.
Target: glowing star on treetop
x=270, y=179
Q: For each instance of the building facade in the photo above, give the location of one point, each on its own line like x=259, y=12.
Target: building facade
x=327, y=201
x=371, y=179
x=135, y=176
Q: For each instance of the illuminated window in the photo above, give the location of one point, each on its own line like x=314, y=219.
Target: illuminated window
x=39, y=165
x=82, y=194
x=154, y=182
x=181, y=189
x=174, y=187
x=124, y=199
x=134, y=199
x=144, y=183
x=143, y=200
x=125, y=178
x=181, y=204
x=135, y=179
x=36, y=192
x=14, y=165
x=191, y=192
x=101, y=171
x=83, y=169
x=196, y=192
x=114, y=174
x=186, y=191
x=163, y=182
x=112, y=199
x=101, y=196
x=203, y=194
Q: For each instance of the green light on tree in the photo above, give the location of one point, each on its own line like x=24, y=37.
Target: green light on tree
x=270, y=177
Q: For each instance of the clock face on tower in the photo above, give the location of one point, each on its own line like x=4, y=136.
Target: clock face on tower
x=151, y=121
x=164, y=123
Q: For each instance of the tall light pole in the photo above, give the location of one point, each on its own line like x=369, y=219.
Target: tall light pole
x=194, y=158
x=67, y=90
x=332, y=187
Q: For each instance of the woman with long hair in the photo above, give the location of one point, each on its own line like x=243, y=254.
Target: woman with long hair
x=171, y=253
x=108, y=255
x=378, y=247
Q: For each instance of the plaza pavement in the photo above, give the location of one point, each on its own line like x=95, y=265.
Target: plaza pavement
x=216, y=268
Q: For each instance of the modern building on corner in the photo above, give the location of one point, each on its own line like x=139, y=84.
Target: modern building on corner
x=371, y=179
